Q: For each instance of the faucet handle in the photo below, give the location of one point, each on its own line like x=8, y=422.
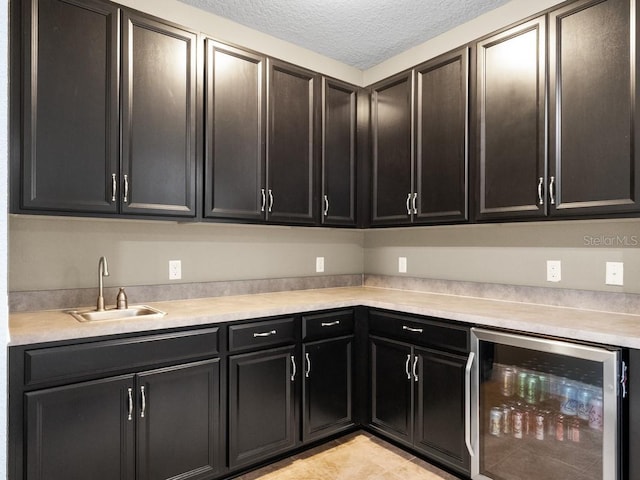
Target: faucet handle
x=121, y=300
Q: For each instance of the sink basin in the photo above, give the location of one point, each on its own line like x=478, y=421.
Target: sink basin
x=134, y=311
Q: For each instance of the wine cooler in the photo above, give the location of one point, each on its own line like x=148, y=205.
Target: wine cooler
x=543, y=409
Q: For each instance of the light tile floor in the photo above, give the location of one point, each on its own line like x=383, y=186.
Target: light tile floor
x=358, y=456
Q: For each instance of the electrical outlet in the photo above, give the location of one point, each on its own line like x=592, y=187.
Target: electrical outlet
x=175, y=269
x=554, y=270
x=402, y=264
x=319, y=264
x=614, y=273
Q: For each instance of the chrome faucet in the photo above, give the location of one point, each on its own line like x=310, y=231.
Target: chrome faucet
x=103, y=271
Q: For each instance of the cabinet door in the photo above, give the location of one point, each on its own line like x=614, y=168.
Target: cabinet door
x=392, y=150
x=338, y=153
x=391, y=379
x=70, y=106
x=261, y=405
x=84, y=430
x=291, y=147
x=441, y=139
x=595, y=162
x=327, y=387
x=235, y=133
x=440, y=407
x=178, y=418
x=511, y=123
x=158, y=118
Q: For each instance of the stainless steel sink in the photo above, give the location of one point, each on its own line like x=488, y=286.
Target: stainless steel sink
x=133, y=311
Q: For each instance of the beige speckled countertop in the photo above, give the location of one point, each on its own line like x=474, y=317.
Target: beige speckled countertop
x=571, y=323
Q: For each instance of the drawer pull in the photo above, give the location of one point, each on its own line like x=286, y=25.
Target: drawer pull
x=130, y=416
x=330, y=324
x=144, y=401
x=264, y=334
x=411, y=329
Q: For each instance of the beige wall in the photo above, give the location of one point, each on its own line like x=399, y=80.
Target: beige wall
x=513, y=253
x=50, y=253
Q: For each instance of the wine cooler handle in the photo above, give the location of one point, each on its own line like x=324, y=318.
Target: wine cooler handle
x=623, y=379
x=467, y=403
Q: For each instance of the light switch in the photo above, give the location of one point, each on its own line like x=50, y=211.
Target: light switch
x=614, y=273
x=319, y=264
x=402, y=264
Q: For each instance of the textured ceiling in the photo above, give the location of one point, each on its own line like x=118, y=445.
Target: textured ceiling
x=360, y=33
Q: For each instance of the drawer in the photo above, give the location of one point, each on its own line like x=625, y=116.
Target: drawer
x=424, y=331
x=323, y=325
x=248, y=336
x=93, y=359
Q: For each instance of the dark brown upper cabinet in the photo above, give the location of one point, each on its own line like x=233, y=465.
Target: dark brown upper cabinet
x=441, y=167
x=392, y=150
x=419, y=144
x=339, y=103
x=70, y=75
x=159, y=112
x=594, y=158
x=235, y=134
x=510, y=128
x=84, y=152
x=292, y=144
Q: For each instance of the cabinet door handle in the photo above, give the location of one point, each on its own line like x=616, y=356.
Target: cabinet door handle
x=411, y=329
x=330, y=324
x=130, y=393
x=325, y=212
x=540, y=186
x=114, y=187
x=415, y=207
x=306, y=374
x=270, y=200
x=552, y=196
x=467, y=403
x=144, y=401
x=406, y=367
x=126, y=188
x=264, y=199
x=409, y=204
x=264, y=334
x=415, y=366
x=293, y=366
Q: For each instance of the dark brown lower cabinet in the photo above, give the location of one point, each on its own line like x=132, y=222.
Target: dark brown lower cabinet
x=81, y=431
x=417, y=399
x=261, y=405
x=327, y=387
x=87, y=430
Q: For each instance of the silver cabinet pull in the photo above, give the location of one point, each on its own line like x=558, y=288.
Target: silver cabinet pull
x=264, y=334
x=264, y=199
x=114, y=187
x=415, y=365
x=467, y=403
x=144, y=401
x=126, y=189
x=293, y=366
x=130, y=393
x=270, y=200
x=552, y=196
x=325, y=212
x=306, y=374
x=415, y=207
x=540, y=196
x=408, y=204
x=330, y=324
x=411, y=329
x=406, y=367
